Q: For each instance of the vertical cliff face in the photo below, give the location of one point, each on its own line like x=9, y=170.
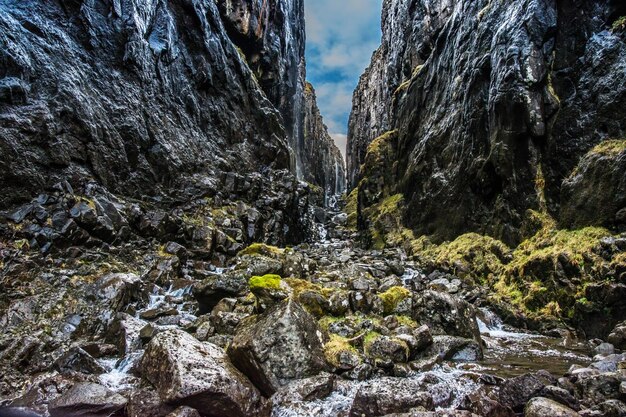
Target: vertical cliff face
x=271, y=34
x=137, y=94
x=132, y=94
x=323, y=162
x=491, y=105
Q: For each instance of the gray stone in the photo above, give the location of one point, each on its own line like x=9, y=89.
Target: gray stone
x=188, y=372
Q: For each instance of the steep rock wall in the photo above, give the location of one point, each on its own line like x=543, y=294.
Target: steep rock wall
x=323, y=163
x=494, y=104
x=130, y=93
x=271, y=34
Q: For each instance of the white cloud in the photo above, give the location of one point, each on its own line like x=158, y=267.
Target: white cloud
x=341, y=36
x=341, y=140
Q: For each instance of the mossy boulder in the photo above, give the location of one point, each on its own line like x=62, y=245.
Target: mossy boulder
x=268, y=289
x=263, y=250
x=385, y=350
x=396, y=300
x=341, y=354
x=595, y=192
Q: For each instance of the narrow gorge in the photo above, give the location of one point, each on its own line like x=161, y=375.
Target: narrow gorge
x=180, y=235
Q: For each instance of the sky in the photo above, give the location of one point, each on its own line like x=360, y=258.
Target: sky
x=341, y=37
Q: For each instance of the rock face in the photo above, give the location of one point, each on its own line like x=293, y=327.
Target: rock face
x=87, y=399
x=277, y=347
x=491, y=106
x=138, y=95
x=322, y=162
x=595, y=192
x=257, y=27
x=188, y=372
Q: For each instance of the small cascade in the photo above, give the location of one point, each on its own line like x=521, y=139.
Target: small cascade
x=118, y=376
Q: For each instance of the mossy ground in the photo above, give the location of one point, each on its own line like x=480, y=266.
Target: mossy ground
x=335, y=347
x=543, y=277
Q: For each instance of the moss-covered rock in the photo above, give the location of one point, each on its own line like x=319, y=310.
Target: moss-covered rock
x=595, y=192
x=341, y=354
x=268, y=289
x=262, y=249
x=396, y=300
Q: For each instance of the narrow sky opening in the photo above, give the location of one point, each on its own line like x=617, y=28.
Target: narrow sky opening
x=341, y=36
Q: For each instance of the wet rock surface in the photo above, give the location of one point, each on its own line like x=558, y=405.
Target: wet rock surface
x=473, y=145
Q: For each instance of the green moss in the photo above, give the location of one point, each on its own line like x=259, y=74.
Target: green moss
x=392, y=297
x=262, y=249
x=385, y=219
x=368, y=339
x=269, y=281
x=326, y=321
x=406, y=321
x=609, y=148
x=477, y=256
x=378, y=146
x=351, y=208
x=405, y=85
x=619, y=24
x=335, y=347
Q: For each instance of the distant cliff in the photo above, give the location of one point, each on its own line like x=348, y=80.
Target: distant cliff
x=485, y=108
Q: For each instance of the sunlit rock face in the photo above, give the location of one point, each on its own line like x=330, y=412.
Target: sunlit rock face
x=323, y=163
x=494, y=104
x=271, y=35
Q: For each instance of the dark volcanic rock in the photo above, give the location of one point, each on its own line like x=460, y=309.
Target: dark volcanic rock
x=257, y=27
x=384, y=396
x=491, y=104
x=322, y=162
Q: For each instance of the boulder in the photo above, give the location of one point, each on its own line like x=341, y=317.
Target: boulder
x=387, y=395
x=453, y=348
x=544, y=407
x=516, y=392
x=188, y=372
x=281, y=345
x=87, y=399
x=594, y=389
x=184, y=412
x=446, y=314
x=77, y=360
x=617, y=337
x=119, y=289
x=212, y=290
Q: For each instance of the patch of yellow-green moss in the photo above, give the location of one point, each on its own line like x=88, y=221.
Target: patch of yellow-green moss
x=385, y=220
x=406, y=321
x=262, y=249
x=609, y=148
x=351, y=208
x=619, y=24
x=405, y=85
x=470, y=255
x=378, y=146
x=392, y=297
x=269, y=281
x=335, y=347
x=543, y=277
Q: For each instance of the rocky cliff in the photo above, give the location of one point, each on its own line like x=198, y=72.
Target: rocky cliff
x=138, y=95
x=272, y=37
x=485, y=108
x=323, y=163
